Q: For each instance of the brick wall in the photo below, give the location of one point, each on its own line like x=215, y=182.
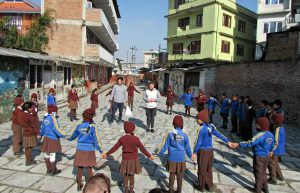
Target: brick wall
x=67, y=9
x=260, y=80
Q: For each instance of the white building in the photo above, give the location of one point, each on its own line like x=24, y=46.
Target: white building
x=275, y=16
x=150, y=58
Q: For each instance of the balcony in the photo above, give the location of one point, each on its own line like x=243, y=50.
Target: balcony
x=97, y=54
x=97, y=22
x=293, y=21
x=108, y=7
x=274, y=8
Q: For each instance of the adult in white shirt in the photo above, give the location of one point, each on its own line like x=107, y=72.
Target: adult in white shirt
x=151, y=96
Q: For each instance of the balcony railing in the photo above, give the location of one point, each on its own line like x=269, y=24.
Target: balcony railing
x=95, y=53
x=293, y=19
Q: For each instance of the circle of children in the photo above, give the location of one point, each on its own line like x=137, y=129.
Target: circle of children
x=267, y=145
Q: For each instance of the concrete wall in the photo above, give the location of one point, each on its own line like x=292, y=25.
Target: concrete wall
x=259, y=80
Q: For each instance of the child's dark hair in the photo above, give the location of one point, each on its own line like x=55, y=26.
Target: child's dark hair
x=249, y=102
x=97, y=182
x=278, y=103
x=265, y=102
x=120, y=78
x=94, y=90
x=26, y=106
x=158, y=190
x=224, y=94
x=73, y=85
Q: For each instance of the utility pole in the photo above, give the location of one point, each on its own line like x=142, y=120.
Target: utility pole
x=133, y=57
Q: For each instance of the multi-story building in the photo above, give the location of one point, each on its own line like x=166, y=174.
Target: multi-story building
x=85, y=31
x=275, y=16
x=20, y=12
x=150, y=58
x=214, y=30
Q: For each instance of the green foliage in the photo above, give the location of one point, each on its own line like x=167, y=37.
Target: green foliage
x=36, y=40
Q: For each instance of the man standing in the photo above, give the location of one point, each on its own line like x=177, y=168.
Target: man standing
x=151, y=96
x=119, y=97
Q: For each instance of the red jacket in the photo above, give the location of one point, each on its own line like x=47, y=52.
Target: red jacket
x=94, y=97
x=130, y=144
x=15, y=115
x=170, y=95
x=73, y=96
x=30, y=124
x=201, y=99
x=131, y=90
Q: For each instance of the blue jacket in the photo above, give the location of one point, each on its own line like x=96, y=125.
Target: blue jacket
x=211, y=104
x=279, y=148
x=51, y=100
x=177, y=143
x=262, y=112
x=188, y=98
x=50, y=128
x=224, y=106
x=204, y=140
x=88, y=137
x=234, y=107
x=262, y=144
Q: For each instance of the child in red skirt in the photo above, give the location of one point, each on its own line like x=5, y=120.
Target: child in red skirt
x=130, y=164
x=73, y=100
x=31, y=130
x=51, y=145
x=177, y=144
x=94, y=99
x=170, y=100
x=16, y=125
x=88, y=140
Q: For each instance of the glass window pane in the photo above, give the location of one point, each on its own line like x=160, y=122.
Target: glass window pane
x=266, y=27
x=279, y=26
x=272, y=27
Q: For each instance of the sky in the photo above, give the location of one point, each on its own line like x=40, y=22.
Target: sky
x=143, y=25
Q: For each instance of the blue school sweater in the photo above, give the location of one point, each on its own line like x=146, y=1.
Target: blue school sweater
x=51, y=100
x=88, y=137
x=262, y=144
x=262, y=112
x=279, y=148
x=204, y=140
x=188, y=98
x=225, y=103
x=211, y=104
x=234, y=107
x=177, y=143
x=50, y=128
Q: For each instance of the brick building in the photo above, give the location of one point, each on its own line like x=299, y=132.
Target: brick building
x=85, y=31
x=21, y=13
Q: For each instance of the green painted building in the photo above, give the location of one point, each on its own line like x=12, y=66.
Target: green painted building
x=217, y=30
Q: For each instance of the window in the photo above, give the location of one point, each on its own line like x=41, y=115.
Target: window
x=47, y=68
x=225, y=47
x=191, y=79
x=199, y=20
x=272, y=27
x=242, y=26
x=266, y=28
x=91, y=38
x=182, y=23
x=178, y=48
x=15, y=21
x=195, y=47
x=279, y=26
x=178, y=2
x=240, y=50
x=36, y=72
x=226, y=20
x=274, y=2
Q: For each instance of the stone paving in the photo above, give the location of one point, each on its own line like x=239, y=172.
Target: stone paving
x=232, y=169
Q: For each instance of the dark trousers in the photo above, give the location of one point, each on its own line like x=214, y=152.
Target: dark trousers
x=205, y=175
x=234, y=123
x=260, y=165
x=241, y=125
x=80, y=174
x=172, y=181
x=115, y=107
x=150, y=113
x=225, y=120
x=274, y=168
x=211, y=114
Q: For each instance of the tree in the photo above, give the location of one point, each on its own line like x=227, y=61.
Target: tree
x=36, y=40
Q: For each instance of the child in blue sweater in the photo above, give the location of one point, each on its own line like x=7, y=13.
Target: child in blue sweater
x=279, y=149
x=88, y=141
x=211, y=105
x=51, y=132
x=177, y=144
x=224, y=111
x=262, y=145
x=188, y=101
x=204, y=150
x=51, y=100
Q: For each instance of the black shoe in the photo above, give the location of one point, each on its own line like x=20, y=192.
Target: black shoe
x=152, y=131
x=265, y=191
x=71, y=119
x=280, y=178
x=148, y=130
x=270, y=181
x=79, y=187
x=76, y=119
x=55, y=172
x=30, y=163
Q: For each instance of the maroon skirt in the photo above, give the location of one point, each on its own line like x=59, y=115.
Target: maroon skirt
x=94, y=105
x=85, y=158
x=176, y=167
x=170, y=102
x=130, y=167
x=29, y=141
x=50, y=146
x=73, y=104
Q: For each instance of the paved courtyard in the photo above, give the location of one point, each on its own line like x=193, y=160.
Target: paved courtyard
x=232, y=169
